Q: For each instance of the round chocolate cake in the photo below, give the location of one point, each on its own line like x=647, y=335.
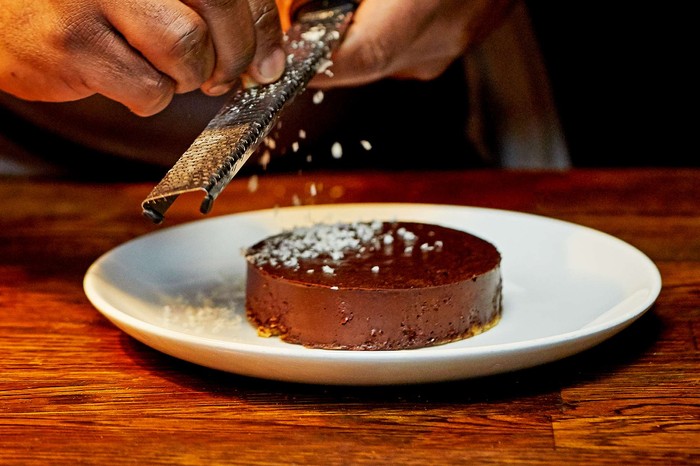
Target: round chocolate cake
x=373, y=285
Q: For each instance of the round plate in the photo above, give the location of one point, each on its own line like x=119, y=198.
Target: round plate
x=566, y=288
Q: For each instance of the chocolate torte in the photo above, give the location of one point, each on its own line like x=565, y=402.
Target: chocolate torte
x=373, y=285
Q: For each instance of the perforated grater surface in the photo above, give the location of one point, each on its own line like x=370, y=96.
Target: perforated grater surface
x=245, y=120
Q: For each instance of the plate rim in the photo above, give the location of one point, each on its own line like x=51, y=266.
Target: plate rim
x=436, y=353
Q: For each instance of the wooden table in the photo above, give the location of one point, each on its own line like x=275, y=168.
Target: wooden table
x=76, y=390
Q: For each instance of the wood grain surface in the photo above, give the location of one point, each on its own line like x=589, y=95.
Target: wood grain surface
x=76, y=390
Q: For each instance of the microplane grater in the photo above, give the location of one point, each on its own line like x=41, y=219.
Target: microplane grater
x=235, y=132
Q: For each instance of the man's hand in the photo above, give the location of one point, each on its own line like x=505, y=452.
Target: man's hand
x=414, y=39
x=137, y=52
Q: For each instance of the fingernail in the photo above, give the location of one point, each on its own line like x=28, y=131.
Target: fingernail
x=219, y=89
x=248, y=82
x=272, y=66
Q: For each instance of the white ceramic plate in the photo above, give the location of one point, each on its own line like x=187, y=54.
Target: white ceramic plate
x=566, y=288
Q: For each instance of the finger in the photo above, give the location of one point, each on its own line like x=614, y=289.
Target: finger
x=374, y=43
x=269, y=60
x=232, y=32
x=171, y=36
x=106, y=64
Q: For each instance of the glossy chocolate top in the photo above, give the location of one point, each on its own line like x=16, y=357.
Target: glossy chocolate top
x=376, y=255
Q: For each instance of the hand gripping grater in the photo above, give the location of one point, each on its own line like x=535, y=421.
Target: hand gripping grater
x=247, y=117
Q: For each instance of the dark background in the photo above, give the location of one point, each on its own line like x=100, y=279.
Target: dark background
x=624, y=79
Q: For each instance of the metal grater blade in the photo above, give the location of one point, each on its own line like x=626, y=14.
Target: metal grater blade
x=245, y=120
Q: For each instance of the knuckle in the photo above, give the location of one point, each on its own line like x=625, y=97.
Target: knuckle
x=79, y=35
x=374, y=57
x=186, y=37
x=264, y=13
x=216, y=4
x=154, y=96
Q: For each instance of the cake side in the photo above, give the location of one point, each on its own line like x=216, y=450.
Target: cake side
x=373, y=286
x=370, y=319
